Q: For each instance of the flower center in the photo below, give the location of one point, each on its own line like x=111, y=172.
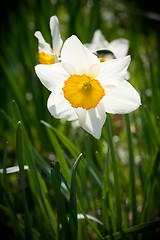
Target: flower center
x=83, y=91
x=86, y=86
x=44, y=58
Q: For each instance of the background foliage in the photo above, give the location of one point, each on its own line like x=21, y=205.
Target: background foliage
x=117, y=178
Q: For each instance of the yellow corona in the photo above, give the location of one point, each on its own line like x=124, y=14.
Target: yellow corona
x=44, y=58
x=83, y=91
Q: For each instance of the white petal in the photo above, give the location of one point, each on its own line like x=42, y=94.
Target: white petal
x=113, y=72
x=92, y=120
x=52, y=76
x=76, y=54
x=99, y=40
x=43, y=45
x=94, y=69
x=56, y=37
x=69, y=68
x=91, y=46
x=121, y=99
x=60, y=108
x=14, y=169
x=119, y=47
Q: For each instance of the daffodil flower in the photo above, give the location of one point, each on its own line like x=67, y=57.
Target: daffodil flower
x=48, y=55
x=84, y=89
x=105, y=50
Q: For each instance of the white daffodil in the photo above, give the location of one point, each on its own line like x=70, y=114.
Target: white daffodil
x=84, y=89
x=104, y=49
x=48, y=55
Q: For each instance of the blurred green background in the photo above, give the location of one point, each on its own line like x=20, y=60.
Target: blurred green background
x=137, y=21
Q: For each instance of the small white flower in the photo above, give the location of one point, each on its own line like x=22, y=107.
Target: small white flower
x=119, y=47
x=48, y=55
x=84, y=89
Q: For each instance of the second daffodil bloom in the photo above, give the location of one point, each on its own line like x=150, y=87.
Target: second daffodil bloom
x=105, y=50
x=84, y=89
x=48, y=55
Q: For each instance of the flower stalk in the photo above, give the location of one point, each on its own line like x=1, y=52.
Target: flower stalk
x=131, y=169
x=115, y=175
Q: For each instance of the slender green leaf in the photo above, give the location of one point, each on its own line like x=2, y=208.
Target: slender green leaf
x=9, y=201
x=16, y=112
x=69, y=145
x=131, y=169
x=59, y=154
x=73, y=203
x=20, y=158
x=115, y=174
x=60, y=201
x=134, y=230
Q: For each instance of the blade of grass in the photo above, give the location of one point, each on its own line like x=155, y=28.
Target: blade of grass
x=62, y=225
x=16, y=112
x=153, y=173
x=12, y=81
x=59, y=154
x=73, y=203
x=44, y=166
x=35, y=182
x=69, y=145
x=82, y=211
x=8, y=119
x=93, y=173
x=33, y=175
x=20, y=158
x=134, y=230
x=131, y=169
x=115, y=174
x=88, y=220
x=11, y=207
x=107, y=204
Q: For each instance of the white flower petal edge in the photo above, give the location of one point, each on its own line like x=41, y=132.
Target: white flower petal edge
x=69, y=68
x=76, y=54
x=60, y=108
x=92, y=120
x=119, y=47
x=43, y=46
x=56, y=37
x=99, y=40
x=121, y=99
x=114, y=71
x=52, y=76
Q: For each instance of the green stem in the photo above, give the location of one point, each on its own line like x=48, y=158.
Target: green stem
x=131, y=169
x=115, y=175
x=140, y=228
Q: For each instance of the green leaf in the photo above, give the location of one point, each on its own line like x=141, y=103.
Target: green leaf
x=9, y=201
x=131, y=169
x=42, y=163
x=35, y=183
x=134, y=230
x=20, y=158
x=69, y=145
x=115, y=174
x=60, y=201
x=16, y=113
x=72, y=202
x=60, y=156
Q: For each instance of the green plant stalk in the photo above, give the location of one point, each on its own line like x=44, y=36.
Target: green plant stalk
x=20, y=158
x=140, y=228
x=9, y=201
x=73, y=202
x=115, y=174
x=131, y=169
